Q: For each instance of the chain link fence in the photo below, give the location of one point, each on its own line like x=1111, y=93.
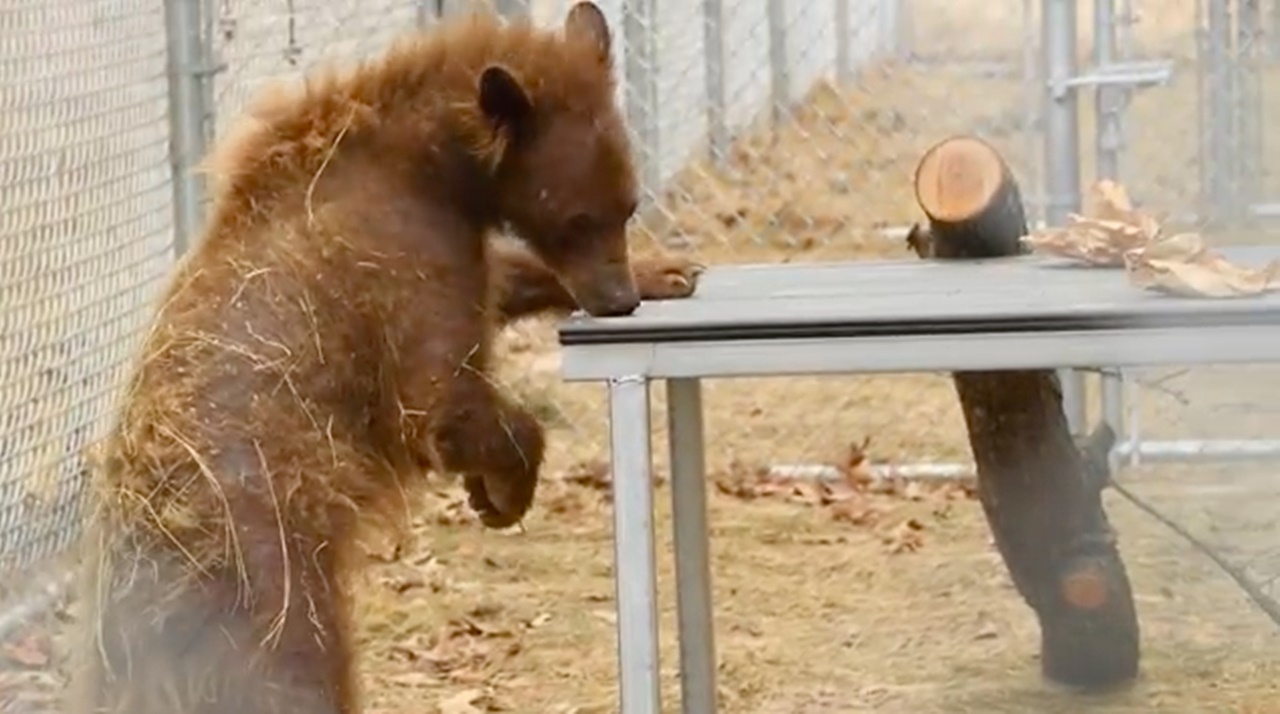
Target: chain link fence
x=85, y=239
x=766, y=131
x=89, y=141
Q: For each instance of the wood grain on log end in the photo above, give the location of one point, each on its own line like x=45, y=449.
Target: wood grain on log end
x=972, y=201
x=957, y=179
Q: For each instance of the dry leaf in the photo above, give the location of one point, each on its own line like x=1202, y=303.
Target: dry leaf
x=1183, y=265
x=1092, y=240
x=857, y=513
x=26, y=652
x=1111, y=203
x=913, y=491
x=1111, y=200
x=594, y=474
x=856, y=465
x=1102, y=238
x=906, y=537
x=608, y=616
x=462, y=703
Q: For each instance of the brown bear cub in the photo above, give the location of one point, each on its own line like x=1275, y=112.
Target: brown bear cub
x=328, y=340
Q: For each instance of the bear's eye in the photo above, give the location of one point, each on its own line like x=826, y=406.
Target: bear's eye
x=580, y=223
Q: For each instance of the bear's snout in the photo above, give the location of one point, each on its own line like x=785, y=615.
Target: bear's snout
x=615, y=301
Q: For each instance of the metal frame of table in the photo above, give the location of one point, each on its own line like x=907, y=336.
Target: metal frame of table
x=851, y=318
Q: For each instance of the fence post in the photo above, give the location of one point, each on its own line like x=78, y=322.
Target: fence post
x=642, y=92
x=1109, y=141
x=779, y=76
x=1218, y=162
x=1033, y=100
x=889, y=13
x=1106, y=102
x=1062, y=156
x=717, y=104
x=189, y=72
x=1248, y=109
x=844, y=64
x=512, y=8
x=429, y=10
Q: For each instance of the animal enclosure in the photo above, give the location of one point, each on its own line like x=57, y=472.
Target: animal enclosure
x=766, y=131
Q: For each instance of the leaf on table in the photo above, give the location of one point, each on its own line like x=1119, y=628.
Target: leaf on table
x=1092, y=240
x=1183, y=265
x=1101, y=238
x=1111, y=203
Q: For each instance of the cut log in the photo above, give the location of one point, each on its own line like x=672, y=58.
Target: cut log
x=1039, y=489
x=968, y=192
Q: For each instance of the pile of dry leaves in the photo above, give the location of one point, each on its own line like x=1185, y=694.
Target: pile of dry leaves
x=1118, y=235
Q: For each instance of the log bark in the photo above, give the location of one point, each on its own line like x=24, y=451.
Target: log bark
x=1039, y=489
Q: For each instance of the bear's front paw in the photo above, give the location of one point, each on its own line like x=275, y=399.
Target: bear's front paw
x=666, y=277
x=501, y=497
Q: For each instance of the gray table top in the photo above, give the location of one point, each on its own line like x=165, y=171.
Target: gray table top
x=911, y=296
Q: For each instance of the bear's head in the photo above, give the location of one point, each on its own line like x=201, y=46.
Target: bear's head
x=565, y=181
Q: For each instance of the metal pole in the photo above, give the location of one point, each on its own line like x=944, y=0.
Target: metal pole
x=1062, y=155
x=1249, y=105
x=844, y=64
x=1061, y=123
x=779, y=77
x=1124, y=31
x=694, y=612
x=635, y=570
x=1273, y=50
x=1110, y=142
x=1030, y=77
x=187, y=116
x=642, y=94
x=1106, y=106
x=1113, y=409
x=512, y=8
x=890, y=35
x=717, y=107
x=1220, y=163
x=429, y=11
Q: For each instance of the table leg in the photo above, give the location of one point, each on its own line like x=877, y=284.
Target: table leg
x=692, y=559
x=635, y=568
x=1073, y=400
x=1113, y=409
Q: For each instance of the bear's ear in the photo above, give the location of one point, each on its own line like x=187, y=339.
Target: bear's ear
x=586, y=21
x=503, y=101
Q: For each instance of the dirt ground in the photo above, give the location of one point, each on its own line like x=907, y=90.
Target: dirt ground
x=887, y=602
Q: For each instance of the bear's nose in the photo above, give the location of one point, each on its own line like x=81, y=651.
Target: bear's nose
x=617, y=303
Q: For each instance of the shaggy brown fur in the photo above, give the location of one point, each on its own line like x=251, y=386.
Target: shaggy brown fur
x=329, y=339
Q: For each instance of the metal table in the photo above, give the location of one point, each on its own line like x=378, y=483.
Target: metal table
x=842, y=318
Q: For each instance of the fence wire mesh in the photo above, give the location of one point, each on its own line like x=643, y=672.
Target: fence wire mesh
x=766, y=131
x=258, y=41
x=84, y=240
x=1196, y=149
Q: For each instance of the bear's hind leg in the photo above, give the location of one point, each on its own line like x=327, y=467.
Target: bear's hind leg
x=166, y=640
